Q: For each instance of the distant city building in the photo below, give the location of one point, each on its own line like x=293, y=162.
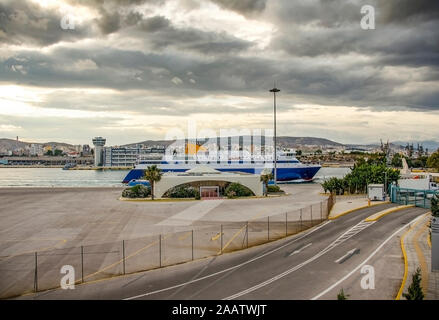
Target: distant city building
x=99, y=144
x=127, y=156
x=86, y=150
x=36, y=149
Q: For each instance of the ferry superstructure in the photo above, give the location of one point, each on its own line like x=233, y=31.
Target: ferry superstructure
x=288, y=167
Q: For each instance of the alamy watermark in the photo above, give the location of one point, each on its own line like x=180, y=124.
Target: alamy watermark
x=368, y=20
x=368, y=280
x=67, y=22
x=230, y=145
x=68, y=281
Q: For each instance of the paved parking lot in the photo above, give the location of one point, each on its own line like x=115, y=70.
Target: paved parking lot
x=35, y=219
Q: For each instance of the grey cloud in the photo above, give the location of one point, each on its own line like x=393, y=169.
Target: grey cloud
x=364, y=85
x=108, y=22
x=23, y=22
x=315, y=66
x=403, y=11
x=336, y=31
x=246, y=7
x=161, y=34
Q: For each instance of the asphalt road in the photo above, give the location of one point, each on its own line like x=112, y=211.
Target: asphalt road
x=305, y=266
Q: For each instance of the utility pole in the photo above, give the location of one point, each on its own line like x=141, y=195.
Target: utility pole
x=274, y=90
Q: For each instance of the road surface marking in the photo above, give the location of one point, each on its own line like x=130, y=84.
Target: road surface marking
x=364, y=262
x=185, y=236
x=349, y=254
x=216, y=237
x=231, y=239
x=231, y=268
x=344, y=237
x=299, y=250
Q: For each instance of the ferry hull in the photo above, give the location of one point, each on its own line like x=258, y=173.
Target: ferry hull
x=283, y=174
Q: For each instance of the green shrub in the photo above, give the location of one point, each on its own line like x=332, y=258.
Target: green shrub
x=238, y=190
x=415, y=290
x=274, y=189
x=138, y=191
x=342, y=296
x=183, y=192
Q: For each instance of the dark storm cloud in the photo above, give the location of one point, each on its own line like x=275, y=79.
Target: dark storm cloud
x=332, y=28
x=124, y=70
x=325, y=57
x=404, y=11
x=23, y=22
x=159, y=32
x=108, y=22
x=246, y=7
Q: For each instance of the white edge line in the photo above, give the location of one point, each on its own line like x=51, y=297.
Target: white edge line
x=367, y=259
x=228, y=269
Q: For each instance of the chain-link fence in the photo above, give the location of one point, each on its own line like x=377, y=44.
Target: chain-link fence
x=38, y=271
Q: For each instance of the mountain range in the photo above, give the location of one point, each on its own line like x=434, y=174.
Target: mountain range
x=292, y=142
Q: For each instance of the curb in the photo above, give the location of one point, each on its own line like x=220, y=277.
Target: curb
x=355, y=209
x=406, y=268
x=404, y=253
x=379, y=215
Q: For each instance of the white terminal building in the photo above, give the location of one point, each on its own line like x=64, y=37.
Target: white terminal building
x=121, y=156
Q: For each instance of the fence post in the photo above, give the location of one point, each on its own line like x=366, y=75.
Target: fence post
x=221, y=236
x=82, y=264
x=246, y=231
x=160, y=250
x=192, y=244
x=268, y=228
x=36, y=273
x=123, y=255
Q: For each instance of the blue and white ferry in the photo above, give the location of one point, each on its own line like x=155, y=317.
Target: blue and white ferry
x=288, y=167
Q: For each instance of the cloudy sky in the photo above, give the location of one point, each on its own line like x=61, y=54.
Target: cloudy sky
x=133, y=70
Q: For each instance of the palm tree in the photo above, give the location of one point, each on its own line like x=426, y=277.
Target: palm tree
x=265, y=178
x=152, y=174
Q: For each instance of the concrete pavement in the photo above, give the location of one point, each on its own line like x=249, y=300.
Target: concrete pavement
x=36, y=219
x=299, y=267
x=418, y=255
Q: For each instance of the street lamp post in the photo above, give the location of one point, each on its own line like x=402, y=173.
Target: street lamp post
x=274, y=90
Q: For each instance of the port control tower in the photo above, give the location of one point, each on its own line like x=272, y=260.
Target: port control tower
x=99, y=144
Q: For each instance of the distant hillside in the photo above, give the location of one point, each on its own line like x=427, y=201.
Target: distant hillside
x=306, y=141
x=151, y=143
x=11, y=144
x=291, y=142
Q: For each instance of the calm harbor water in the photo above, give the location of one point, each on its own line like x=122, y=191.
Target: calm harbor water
x=56, y=177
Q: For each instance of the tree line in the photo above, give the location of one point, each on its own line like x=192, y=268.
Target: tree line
x=363, y=173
